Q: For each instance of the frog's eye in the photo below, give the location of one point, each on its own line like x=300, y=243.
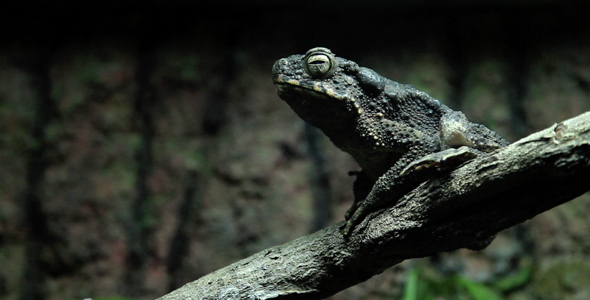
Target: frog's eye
x=319, y=62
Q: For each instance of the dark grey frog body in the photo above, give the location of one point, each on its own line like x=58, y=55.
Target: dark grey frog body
x=400, y=136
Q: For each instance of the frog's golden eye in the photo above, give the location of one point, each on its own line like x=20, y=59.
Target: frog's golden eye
x=319, y=62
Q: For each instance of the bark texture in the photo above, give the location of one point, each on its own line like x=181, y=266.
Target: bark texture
x=465, y=208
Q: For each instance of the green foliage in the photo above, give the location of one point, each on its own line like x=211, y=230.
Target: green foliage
x=514, y=281
x=411, y=290
x=477, y=290
x=431, y=287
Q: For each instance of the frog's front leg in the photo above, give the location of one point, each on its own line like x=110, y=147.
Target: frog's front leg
x=388, y=188
x=402, y=178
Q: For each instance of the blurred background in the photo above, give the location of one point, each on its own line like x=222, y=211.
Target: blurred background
x=142, y=145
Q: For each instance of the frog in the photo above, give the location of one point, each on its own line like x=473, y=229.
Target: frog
x=399, y=136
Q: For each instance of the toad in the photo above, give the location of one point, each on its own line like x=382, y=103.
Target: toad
x=399, y=136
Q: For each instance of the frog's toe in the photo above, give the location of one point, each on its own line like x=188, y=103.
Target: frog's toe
x=441, y=161
x=353, y=217
x=347, y=229
x=350, y=212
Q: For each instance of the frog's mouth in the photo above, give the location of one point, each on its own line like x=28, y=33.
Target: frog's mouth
x=312, y=104
x=288, y=91
x=315, y=89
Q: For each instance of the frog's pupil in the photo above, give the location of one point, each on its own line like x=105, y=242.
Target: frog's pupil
x=318, y=65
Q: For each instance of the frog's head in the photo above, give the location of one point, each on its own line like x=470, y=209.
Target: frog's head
x=321, y=87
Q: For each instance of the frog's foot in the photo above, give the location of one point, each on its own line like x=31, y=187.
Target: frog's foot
x=353, y=216
x=350, y=212
x=350, y=218
x=348, y=226
x=441, y=161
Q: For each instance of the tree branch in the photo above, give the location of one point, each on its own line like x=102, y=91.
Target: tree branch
x=465, y=208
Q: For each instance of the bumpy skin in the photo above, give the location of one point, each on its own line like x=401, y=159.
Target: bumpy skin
x=400, y=136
